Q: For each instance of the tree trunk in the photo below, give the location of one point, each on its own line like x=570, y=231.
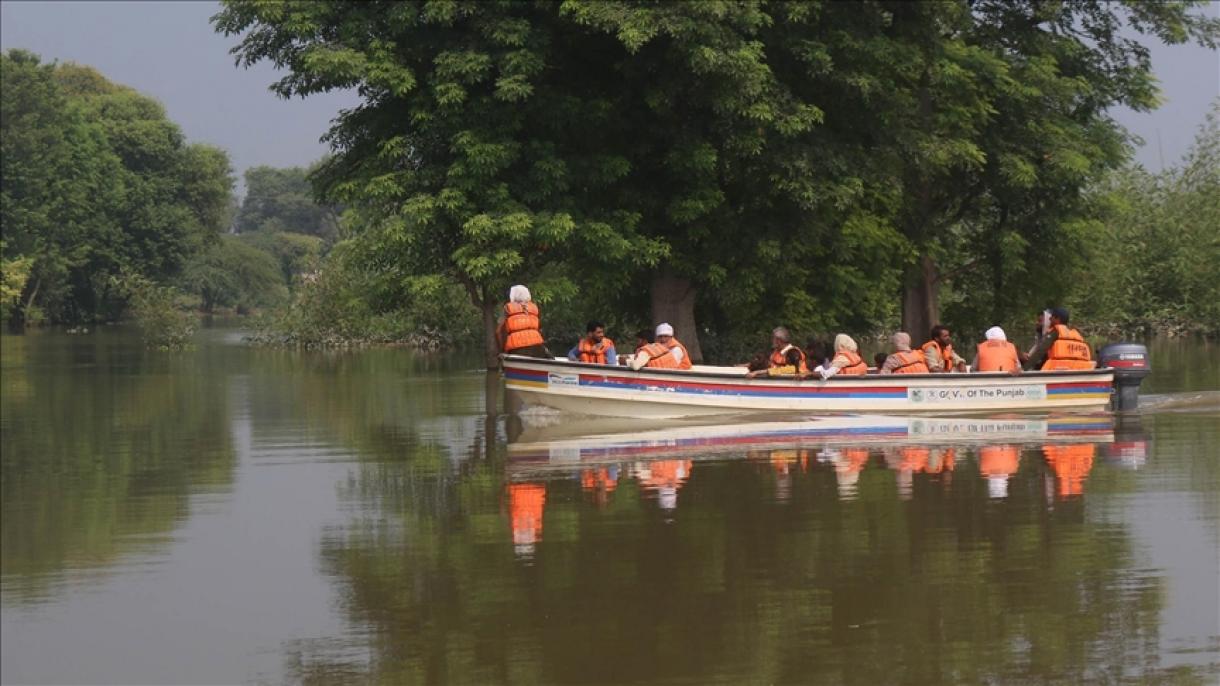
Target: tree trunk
x=491, y=347
x=921, y=299
x=673, y=301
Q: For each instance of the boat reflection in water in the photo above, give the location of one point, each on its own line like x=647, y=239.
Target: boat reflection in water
x=609, y=455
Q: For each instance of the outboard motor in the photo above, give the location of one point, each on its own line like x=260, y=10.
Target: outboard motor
x=1130, y=364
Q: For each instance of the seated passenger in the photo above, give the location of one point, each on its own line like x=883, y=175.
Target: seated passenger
x=878, y=361
x=519, y=333
x=818, y=353
x=904, y=360
x=666, y=353
x=594, y=348
x=938, y=352
x=996, y=354
x=846, y=360
x=1061, y=348
x=786, y=359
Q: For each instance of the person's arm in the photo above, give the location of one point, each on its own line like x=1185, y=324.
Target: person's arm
x=574, y=353
x=500, y=333
x=1038, y=357
x=932, y=358
x=959, y=362
x=611, y=355
x=677, y=353
x=641, y=359
x=891, y=363
x=837, y=363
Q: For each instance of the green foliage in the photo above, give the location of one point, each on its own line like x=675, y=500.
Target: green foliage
x=97, y=181
x=297, y=254
x=14, y=274
x=281, y=200
x=156, y=310
x=232, y=273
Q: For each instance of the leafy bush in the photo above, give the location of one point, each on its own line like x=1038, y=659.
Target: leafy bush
x=155, y=308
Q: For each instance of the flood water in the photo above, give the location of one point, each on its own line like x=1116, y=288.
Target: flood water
x=233, y=515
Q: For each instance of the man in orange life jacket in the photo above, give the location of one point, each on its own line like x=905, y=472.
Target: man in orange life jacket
x=904, y=360
x=786, y=359
x=938, y=352
x=666, y=353
x=1061, y=348
x=520, y=331
x=996, y=354
x=594, y=348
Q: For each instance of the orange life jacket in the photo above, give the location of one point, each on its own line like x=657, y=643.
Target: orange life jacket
x=997, y=356
x=995, y=460
x=525, y=504
x=523, y=326
x=1072, y=464
x=1069, y=351
x=913, y=362
x=780, y=365
x=594, y=353
x=662, y=357
x=855, y=363
x=946, y=354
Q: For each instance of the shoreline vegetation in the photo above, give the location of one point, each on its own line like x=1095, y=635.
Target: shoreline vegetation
x=861, y=169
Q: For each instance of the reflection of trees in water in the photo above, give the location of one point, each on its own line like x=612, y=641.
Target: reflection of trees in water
x=952, y=585
x=102, y=446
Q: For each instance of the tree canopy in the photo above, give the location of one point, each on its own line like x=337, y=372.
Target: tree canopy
x=281, y=199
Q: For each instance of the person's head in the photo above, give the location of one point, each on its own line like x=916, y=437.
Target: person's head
x=901, y=341
x=643, y=337
x=664, y=333
x=519, y=294
x=780, y=337
x=845, y=344
x=1059, y=315
x=995, y=333
x=817, y=350
x=940, y=334
x=879, y=360
x=596, y=331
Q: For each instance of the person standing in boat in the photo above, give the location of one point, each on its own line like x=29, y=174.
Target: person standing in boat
x=938, y=352
x=846, y=359
x=996, y=354
x=594, y=348
x=520, y=332
x=1061, y=348
x=666, y=353
x=904, y=360
x=786, y=359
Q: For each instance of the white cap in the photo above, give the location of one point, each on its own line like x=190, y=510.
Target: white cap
x=995, y=333
x=664, y=329
x=997, y=485
x=519, y=294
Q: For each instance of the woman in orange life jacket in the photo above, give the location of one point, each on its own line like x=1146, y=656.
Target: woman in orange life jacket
x=996, y=354
x=846, y=359
x=520, y=331
x=938, y=352
x=904, y=360
x=666, y=353
x=1062, y=347
x=594, y=348
x=785, y=360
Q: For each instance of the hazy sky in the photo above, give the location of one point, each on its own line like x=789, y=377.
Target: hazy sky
x=169, y=51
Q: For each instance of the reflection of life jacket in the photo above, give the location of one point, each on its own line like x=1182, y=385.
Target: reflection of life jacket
x=594, y=353
x=662, y=357
x=997, y=460
x=598, y=479
x=1069, y=351
x=525, y=505
x=855, y=363
x=912, y=459
x=997, y=356
x=851, y=460
x=666, y=473
x=523, y=326
x=779, y=365
x=946, y=354
x=913, y=362
x=941, y=460
x=1072, y=464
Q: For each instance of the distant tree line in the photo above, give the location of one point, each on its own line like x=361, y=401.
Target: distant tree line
x=722, y=166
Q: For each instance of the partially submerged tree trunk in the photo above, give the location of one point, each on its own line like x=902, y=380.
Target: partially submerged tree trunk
x=673, y=301
x=491, y=347
x=921, y=299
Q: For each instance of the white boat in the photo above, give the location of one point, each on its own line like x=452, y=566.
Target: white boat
x=606, y=391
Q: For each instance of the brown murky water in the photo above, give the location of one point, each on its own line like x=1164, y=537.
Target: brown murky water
x=230, y=515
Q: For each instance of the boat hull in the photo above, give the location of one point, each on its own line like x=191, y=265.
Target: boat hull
x=600, y=390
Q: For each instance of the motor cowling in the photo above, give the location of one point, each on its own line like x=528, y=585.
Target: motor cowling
x=1130, y=364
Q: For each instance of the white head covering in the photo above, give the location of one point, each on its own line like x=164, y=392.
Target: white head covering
x=997, y=485
x=843, y=342
x=995, y=333
x=902, y=341
x=664, y=329
x=519, y=294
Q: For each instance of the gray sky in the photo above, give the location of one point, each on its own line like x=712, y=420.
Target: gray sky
x=169, y=51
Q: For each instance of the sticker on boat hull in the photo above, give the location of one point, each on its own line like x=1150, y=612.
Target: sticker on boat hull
x=932, y=396
x=554, y=379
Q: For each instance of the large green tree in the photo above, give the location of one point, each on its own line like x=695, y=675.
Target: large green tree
x=281, y=199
